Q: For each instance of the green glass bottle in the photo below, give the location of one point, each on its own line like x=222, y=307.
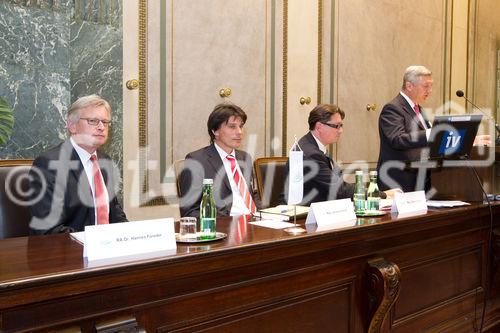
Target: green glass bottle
x=373, y=193
x=208, y=211
x=359, y=193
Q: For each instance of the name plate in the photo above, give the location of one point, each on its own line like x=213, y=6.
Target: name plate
x=337, y=213
x=409, y=203
x=128, y=238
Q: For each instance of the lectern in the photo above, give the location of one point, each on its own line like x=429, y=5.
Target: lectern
x=460, y=183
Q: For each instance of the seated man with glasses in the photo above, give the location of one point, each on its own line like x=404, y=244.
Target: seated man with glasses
x=73, y=184
x=323, y=179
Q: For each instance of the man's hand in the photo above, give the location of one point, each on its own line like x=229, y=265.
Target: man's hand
x=390, y=193
x=482, y=140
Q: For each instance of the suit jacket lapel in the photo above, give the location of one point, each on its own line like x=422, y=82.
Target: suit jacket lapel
x=73, y=157
x=313, y=142
x=80, y=180
x=408, y=109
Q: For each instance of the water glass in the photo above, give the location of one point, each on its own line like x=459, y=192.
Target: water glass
x=187, y=228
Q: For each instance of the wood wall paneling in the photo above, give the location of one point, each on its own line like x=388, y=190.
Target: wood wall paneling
x=302, y=66
x=375, y=42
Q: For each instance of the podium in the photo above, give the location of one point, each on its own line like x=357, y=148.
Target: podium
x=460, y=183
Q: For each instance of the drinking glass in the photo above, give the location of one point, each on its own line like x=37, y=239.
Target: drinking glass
x=187, y=228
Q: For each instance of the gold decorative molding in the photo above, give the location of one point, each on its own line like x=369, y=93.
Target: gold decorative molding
x=320, y=50
x=285, y=79
x=143, y=53
x=143, y=102
x=144, y=198
x=384, y=285
x=285, y=68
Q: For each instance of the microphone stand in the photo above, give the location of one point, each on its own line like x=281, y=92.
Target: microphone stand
x=460, y=93
x=490, y=244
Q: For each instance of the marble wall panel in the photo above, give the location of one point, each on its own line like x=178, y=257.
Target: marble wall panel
x=48, y=58
x=34, y=67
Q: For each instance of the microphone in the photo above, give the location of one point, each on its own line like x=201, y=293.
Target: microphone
x=460, y=93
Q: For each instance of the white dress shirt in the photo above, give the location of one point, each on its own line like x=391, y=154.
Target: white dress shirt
x=238, y=207
x=322, y=147
x=419, y=116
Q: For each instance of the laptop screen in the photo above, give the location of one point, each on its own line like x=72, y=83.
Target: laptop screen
x=452, y=137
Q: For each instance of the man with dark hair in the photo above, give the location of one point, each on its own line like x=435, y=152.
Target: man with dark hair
x=323, y=179
x=231, y=169
x=73, y=184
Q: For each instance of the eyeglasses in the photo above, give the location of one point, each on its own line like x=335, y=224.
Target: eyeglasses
x=336, y=126
x=95, y=122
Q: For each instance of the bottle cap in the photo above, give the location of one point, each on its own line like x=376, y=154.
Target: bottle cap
x=373, y=173
x=208, y=181
x=359, y=172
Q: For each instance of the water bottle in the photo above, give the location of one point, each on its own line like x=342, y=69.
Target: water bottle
x=359, y=193
x=373, y=193
x=208, y=211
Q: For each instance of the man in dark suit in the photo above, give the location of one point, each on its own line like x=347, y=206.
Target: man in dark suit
x=323, y=178
x=220, y=161
x=404, y=130
x=73, y=185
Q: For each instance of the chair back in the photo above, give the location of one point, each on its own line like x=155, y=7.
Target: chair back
x=178, y=166
x=14, y=215
x=271, y=174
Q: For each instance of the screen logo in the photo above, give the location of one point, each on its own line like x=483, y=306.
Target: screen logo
x=451, y=142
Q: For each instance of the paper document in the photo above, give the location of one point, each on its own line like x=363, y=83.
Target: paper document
x=273, y=224
x=282, y=212
x=446, y=203
x=385, y=204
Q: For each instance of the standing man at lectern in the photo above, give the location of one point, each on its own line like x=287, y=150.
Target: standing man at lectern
x=230, y=168
x=404, y=130
x=73, y=184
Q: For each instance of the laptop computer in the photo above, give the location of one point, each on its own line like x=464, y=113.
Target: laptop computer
x=451, y=137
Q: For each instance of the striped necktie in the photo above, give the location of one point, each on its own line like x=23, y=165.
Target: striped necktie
x=241, y=185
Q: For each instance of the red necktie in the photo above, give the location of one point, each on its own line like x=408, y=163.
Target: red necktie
x=241, y=227
x=417, y=109
x=241, y=185
x=100, y=197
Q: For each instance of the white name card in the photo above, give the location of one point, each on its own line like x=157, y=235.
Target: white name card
x=337, y=213
x=129, y=238
x=409, y=203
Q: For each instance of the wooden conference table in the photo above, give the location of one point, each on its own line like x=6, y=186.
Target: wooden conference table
x=432, y=268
